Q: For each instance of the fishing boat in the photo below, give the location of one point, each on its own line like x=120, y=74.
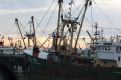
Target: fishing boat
x=64, y=62
x=11, y=59
x=101, y=60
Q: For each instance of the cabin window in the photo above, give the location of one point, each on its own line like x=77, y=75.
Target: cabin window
x=106, y=48
x=118, y=58
x=107, y=43
x=120, y=48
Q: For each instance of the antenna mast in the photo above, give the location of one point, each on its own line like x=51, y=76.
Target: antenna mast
x=96, y=32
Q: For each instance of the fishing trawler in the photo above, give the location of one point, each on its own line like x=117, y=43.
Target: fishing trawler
x=107, y=52
x=11, y=59
x=64, y=61
x=101, y=61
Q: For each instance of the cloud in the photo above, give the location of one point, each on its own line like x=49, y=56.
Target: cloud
x=13, y=4
x=8, y=11
x=23, y=6
x=110, y=4
x=26, y=10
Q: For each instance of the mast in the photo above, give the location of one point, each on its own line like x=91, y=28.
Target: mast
x=16, y=20
x=35, y=47
x=34, y=37
x=70, y=8
x=81, y=24
x=58, y=23
x=72, y=28
x=96, y=32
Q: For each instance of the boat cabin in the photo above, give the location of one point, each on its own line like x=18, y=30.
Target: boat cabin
x=107, y=54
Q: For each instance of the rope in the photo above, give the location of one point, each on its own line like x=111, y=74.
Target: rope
x=92, y=18
x=42, y=45
x=48, y=38
x=106, y=16
x=85, y=17
x=46, y=25
x=80, y=11
x=22, y=28
x=49, y=20
x=45, y=14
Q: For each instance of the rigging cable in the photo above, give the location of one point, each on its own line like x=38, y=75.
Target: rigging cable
x=110, y=28
x=106, y=16
x=47, y=26
x=48, y=22
x=40, y=44
x=92, y=18
x=45, y=14
x=80, y=11
x=50, y=36
x=85, y=16
x=23, y=28
x=64, y=8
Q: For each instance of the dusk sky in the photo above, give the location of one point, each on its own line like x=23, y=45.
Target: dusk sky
x=24, y=9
